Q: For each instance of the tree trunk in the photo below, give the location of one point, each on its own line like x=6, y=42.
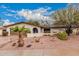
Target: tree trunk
x=69, y=30
x=20, y=41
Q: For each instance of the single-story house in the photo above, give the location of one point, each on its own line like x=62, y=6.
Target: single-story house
x=36, y=30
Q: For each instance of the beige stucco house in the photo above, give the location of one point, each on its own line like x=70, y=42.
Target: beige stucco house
x=35, y=29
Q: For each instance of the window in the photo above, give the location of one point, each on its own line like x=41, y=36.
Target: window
x=46, y=30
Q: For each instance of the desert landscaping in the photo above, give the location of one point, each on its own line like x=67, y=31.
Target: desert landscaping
x=47, y=45
x=39, y=30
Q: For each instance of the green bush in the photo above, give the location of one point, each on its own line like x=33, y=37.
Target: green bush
x=62, y=35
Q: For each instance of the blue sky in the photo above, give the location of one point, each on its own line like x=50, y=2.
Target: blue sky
x=18, y=12
x=19, y=6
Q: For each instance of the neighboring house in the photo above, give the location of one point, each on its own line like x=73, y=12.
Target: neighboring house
x=1, y=28
x=36, y=30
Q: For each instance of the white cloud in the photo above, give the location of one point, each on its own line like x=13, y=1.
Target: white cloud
x=12, y=15
x=37, y=14
x=10, y=10
x=8, y=14
x=7, y=22
x=41, y=10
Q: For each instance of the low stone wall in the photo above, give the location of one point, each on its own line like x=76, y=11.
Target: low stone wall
x=38, y=34
x=42, y=34
x=34, y=34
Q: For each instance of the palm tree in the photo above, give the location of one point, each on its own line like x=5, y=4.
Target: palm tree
x=20, y=31
x=67, y=17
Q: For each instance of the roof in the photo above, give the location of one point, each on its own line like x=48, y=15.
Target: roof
x=24, y=23
x=1, y=27
x=62, y=26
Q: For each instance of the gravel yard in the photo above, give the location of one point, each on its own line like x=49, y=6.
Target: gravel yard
x=47, y=45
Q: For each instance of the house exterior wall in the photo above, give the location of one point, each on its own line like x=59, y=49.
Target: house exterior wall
x=0, y=32
x=40, y=30
x=54, y=31
x=75, y=31
x=31, y=29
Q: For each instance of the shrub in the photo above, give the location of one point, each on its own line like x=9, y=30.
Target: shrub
x=62, y=35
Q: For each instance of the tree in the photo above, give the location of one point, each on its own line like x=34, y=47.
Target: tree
x=20, y=31
x=67, y=17
x=34, y=22
x=40, y=22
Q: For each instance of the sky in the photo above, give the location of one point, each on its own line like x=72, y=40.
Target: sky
x=21, y=12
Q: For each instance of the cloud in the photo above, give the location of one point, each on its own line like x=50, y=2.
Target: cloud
x=7, y=22
x=7, y=9
x=37, y=14
x=40, y=14
x=8, y=14
x=10, y=10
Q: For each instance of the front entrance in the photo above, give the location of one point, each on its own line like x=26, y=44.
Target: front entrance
x=35, y=30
